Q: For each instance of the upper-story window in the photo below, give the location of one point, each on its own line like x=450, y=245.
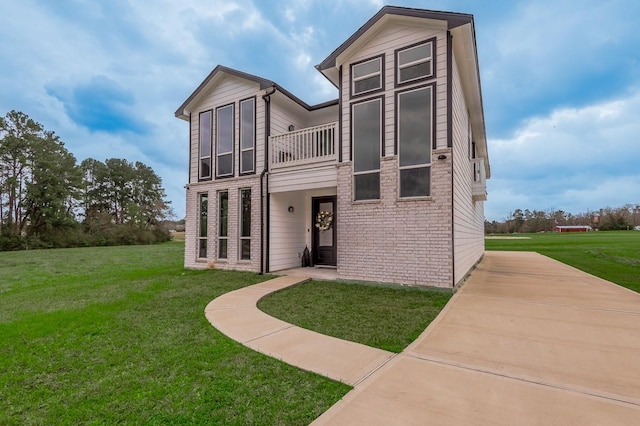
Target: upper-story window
x=204, y=149
x=415, y=139
x=414, y=63
x=366, y=135
x=367, y=76
x=247, y=135
x=224, y=141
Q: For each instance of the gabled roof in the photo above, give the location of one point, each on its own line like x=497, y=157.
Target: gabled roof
x=184, y=112
x=453, y=20
x=461, y=26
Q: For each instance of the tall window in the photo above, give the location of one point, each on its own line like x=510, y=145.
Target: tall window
x=245, y=224
x=367, y=77
x=203, y=223
x=366, y=122
x=224, y=140
x=414, y=63
x=247, y=135
x=205, y=146
x=223, y=224
x=414, y=133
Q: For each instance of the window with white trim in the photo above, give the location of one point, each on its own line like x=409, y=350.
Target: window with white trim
x=414, y=63
x=247, y=135
x=245, y=224
x=366, y=77
x=204, y=146
x=223, y=224
x=203, y=224
x=366, y=134
x=224, y=141
x=415, y=137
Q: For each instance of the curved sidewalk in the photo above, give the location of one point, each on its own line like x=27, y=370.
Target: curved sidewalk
x=527, y=340
x=235, y=314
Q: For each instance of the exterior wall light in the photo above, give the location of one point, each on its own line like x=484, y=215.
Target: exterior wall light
x=290, y=209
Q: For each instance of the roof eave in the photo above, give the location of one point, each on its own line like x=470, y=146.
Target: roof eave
x=183, y=111
x=453, y=20
x=473, y=93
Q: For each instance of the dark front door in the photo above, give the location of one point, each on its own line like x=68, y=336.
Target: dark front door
x=324, y=231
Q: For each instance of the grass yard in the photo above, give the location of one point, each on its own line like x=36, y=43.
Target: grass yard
x=380, y=316
x=614, y=255
x=117, y=335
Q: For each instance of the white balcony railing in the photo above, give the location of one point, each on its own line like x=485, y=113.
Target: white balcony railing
x=479, y=185
x=304, y=146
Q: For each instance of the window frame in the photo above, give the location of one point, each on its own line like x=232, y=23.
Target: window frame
x=352, y=80
x=381, y=100
x=202, y=234
x=221, y=237
x=432, y=136
x=233, y=139
x=253, y=135
x=397, y=67
x=200, y=146
x=241, y=237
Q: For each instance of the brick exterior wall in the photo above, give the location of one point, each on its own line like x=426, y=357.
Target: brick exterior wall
x=233, y=261
x=402, y=241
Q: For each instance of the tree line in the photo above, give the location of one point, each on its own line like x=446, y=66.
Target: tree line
x=47, y=199
x=606, y=219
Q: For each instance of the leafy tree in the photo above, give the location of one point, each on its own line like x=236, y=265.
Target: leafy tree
x=120, y=192
x=39, y=179
x=43, y=193
x=53, y=190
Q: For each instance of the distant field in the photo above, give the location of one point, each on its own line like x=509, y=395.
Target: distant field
x=614, y=256
x=178, y=236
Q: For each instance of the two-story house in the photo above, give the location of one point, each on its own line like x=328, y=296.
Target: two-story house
x=386, y=183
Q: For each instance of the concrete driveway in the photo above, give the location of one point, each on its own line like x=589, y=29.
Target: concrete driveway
x=527, y=340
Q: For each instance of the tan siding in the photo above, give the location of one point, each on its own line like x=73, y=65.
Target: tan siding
x=310, y=178
x=230, y=89
x=468, y=215
x=287, y=237
x=282, y=118
x=323, y=116
x=387, y=41
x=290, y=231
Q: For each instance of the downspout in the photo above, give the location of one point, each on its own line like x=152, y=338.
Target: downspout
x=264, y=183
x=450, y=145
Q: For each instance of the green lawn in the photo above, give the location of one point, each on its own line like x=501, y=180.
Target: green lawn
x=384, y=317
x=614, y=256
x=117, y=335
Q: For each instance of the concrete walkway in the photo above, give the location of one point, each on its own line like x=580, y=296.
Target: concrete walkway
x=235, y=314
x=527, y=340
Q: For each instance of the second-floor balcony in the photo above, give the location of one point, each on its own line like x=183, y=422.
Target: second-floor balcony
x=479, y=185
x=305, y=146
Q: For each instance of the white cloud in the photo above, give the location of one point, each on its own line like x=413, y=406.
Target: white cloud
x=160, y=52
x=289, y=14
x=574, y=159
x=324, y=89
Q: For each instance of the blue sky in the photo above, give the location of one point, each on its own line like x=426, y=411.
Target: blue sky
x=560, y=81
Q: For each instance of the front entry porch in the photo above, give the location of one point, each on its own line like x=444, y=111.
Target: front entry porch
x=292, y=219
